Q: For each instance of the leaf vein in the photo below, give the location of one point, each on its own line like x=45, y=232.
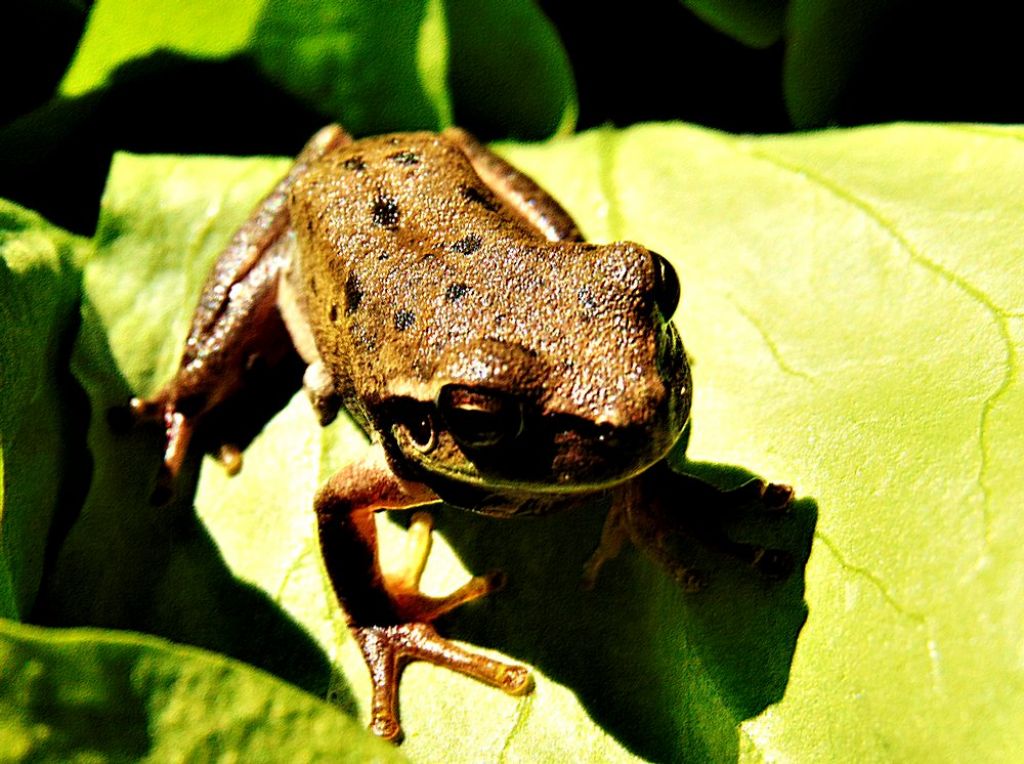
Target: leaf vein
x=999, y=315
x=876, y=582
x=523, y=708
x=773, y=348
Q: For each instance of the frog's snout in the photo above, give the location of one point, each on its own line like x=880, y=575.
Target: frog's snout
x=509, y=440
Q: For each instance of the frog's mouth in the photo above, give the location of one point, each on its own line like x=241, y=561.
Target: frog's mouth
x=495, y=446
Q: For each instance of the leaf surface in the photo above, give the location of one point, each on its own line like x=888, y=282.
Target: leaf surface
x=40, y=281
x=854, y=308
x=89, y=695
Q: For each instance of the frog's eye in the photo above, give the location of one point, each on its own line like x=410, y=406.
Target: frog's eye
x=479, y=418
x=416, y=423
x=666, y=285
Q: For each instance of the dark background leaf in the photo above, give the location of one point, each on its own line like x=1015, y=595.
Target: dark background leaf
x=41, y=39
x=244, y=78
x=43, y=467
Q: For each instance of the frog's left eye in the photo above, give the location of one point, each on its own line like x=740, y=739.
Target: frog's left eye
x=480, y=418
x=666, y=285
x=416, y=423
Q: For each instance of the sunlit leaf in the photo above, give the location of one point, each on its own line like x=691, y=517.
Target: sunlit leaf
x=854, y=309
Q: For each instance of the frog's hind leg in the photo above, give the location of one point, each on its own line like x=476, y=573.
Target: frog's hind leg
x=391, y=619
x=516, y=189
x=237, y=340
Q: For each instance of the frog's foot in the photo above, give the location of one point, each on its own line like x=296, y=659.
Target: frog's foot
x=615, y=534
x=178, y=430
x=772, y=498
x=773, y=564
x=408, y=603
x=388, y=648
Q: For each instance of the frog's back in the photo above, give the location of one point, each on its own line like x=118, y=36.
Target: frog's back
x=390, y=195
x=393, y=231
x=416, y=274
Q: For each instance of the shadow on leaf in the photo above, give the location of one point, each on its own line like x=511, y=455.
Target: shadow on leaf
x=669, y=674
x=56, y=159
x=127, y=564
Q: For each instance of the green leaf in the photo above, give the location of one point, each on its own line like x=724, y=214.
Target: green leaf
x=89, y=695
x=120, y=31
x=372, y=67
x=826, y=41
x=509, y=73
x=854, y=308
x=39, y=284
x=757, y=23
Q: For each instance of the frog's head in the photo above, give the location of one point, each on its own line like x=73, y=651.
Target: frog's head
x=581, y=384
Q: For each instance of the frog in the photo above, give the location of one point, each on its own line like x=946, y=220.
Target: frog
x=497, y=361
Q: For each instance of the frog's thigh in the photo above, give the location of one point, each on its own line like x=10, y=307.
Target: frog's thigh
x=235, y=323
x=517, y=189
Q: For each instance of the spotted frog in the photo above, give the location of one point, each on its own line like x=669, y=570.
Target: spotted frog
x=497, y=361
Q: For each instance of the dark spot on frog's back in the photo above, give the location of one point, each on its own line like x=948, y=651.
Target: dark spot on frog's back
x=356, y=164
x=467, y=245
x=404, y=157
x=455, y=292
x=404, y=319
x=477, y=196
x=353, y=294
x=385, y=212
x=588, y=301
x=333, y=314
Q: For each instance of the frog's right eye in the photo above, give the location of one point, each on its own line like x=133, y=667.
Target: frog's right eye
x=414, y=422
x=480, y=418
x=666, y=285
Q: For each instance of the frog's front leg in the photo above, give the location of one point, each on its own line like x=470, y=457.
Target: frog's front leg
x=388, y=615
x=646, y=510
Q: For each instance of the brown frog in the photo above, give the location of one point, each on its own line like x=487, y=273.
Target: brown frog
x=496, y=360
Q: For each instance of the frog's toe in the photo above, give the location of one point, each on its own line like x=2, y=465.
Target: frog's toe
x=178, y=431
x=777, y=497
x=387, y=649
x=230, y=458
x=690, y=580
